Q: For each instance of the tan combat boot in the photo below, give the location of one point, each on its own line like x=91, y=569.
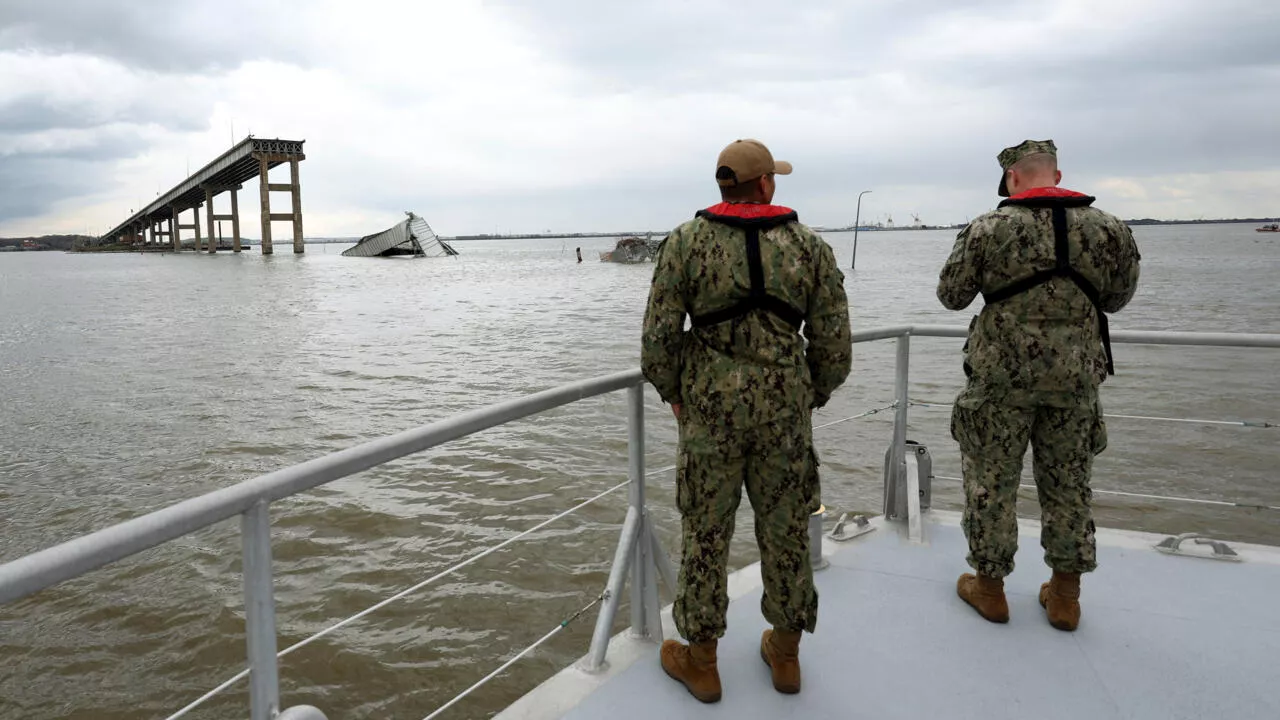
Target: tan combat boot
x=780, y=650
x=695, y=666
x=1060, y=597
x=986, y=595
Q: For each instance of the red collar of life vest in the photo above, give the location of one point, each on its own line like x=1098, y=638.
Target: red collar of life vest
x=747, y=211
x=1047, y=192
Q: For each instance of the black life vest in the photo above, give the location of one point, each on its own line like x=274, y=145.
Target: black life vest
x=751, y=218
x=1057, y=201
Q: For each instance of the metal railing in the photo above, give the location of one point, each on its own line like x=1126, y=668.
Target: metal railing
x=638, y=554
x=251, y=500
x=902, y=483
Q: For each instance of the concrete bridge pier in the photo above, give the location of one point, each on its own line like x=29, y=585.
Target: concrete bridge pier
x=158, y=234
x=194, y=226
x=210, y=191
x=293, y=187
x=213, y=239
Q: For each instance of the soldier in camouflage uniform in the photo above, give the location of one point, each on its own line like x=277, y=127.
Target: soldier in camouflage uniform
x=742, y=384
x=1049, y=266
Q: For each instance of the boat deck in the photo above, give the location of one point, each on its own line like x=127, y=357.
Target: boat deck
x=1161, y=636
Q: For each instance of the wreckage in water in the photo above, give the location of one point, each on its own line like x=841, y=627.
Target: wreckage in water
x=412, y=236
x=632, y=250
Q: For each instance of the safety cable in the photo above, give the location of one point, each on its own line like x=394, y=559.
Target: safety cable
x=563, y=624
x=1148, y=496
x=1195, y=421
x=342, y=623
x=860, y=415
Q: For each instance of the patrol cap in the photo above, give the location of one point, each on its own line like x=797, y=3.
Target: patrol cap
x=1009, y=157
x=744, y=160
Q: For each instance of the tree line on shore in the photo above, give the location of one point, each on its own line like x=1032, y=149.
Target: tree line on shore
x=44, y=242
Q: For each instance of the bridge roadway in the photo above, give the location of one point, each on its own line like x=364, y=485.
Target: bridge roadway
x=160, y=223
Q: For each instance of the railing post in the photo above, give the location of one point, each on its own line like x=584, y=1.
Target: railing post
x=260, y=612
x=900, y=386
x=895, y=465
x=645, y=620
x=617, y=576
x=902, y=476
x=638, y=551
x=635, y=445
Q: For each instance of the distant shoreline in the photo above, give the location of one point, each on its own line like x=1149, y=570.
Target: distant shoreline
x=862, y=228
x=64, y=242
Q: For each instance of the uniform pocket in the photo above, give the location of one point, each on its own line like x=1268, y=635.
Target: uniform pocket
x=1098, y=435
x=684, y=492
x=812, y=483
x=967, y=426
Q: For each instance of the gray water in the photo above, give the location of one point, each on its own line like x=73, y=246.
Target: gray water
x=130, y=382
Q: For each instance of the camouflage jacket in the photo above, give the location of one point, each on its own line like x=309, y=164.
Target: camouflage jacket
x=753, y=367
x=1042, y=345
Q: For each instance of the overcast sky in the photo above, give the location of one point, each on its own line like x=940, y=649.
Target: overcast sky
x=590, y=114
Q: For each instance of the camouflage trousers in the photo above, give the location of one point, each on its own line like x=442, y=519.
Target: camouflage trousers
x=776, y=463
x=993, y=440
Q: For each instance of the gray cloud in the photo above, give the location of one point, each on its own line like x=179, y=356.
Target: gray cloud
x=160, y=35
x=43, y=180
x=36, y=182
x=32, y=114
x=913, y=98
x=1182, y=92
x=679, y=46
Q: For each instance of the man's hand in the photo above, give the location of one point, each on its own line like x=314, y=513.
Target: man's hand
x=675, y=410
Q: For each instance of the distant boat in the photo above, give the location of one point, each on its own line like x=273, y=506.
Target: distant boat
x=1273, y=227
x=409, y=237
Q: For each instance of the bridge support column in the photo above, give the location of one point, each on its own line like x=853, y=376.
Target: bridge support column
x=265, y=191
x=175, y=235
x=208, y=217
x=295, y=189
x=196, y=226
x=177, y=228
x=235, y=221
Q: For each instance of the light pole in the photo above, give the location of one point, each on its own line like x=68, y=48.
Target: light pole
x=856, y=219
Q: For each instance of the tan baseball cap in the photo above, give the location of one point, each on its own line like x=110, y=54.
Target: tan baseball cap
x=744, y=160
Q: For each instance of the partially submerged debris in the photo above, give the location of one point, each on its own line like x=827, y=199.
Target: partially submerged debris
x=632, y=250
x=412, y=236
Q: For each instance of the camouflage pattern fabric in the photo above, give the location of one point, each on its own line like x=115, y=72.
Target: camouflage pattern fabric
x=1033, y=364
x=754, y=368
x=1009, y=156
x=776, y=462
x=993, y=440
x=1043, y=344
x=747, y=387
